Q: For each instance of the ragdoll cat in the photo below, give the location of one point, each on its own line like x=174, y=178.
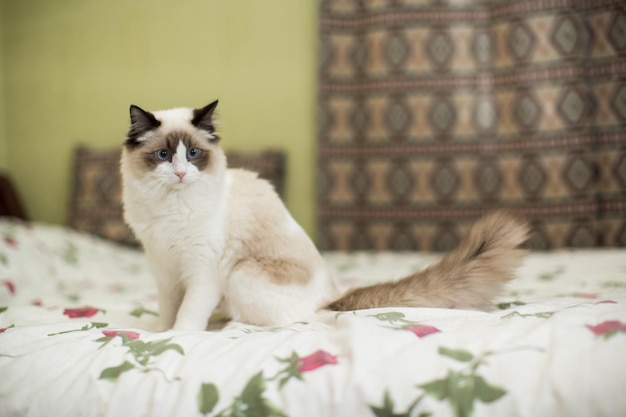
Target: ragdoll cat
x=213, y=234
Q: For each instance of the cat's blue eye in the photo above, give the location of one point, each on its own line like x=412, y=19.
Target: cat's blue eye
x=193, y=153
x=162, y=154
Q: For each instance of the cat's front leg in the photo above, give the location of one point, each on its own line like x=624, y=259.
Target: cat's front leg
x=170, y=294
x=170, y=298
x=201, y=297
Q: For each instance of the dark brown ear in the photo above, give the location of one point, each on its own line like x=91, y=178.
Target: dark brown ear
x=203, y=118
x=141, y=122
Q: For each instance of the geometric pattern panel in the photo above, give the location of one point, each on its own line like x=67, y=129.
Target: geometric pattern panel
x=432, y=114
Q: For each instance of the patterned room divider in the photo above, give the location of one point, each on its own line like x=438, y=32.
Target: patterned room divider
x=432, y=113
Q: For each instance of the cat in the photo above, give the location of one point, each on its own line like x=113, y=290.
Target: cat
x=218, y=235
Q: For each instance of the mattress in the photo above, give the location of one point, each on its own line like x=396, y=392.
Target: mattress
x=77, y=338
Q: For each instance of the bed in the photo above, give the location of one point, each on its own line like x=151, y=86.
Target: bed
x=78, y=313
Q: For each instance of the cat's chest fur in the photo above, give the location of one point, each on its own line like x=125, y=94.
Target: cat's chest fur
x=175, y=224
x=157, y=209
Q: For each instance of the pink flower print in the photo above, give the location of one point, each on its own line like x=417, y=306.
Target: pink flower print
x=80, y=312
x=587, y=295
x=10, y=242
x=296, y=366
x=9, y=286
x=315, y=360
x=122, y=333
x=607, y=328
x=422, y=330
x=4, y=329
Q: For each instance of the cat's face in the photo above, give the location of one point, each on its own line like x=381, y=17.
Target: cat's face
x=174, y=147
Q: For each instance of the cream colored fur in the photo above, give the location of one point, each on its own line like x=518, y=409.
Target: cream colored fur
x=215, y=234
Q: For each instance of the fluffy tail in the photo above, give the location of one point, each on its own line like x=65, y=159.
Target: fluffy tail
x=468, y=277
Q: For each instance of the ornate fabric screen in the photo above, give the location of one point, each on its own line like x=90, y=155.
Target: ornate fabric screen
x=432, y=113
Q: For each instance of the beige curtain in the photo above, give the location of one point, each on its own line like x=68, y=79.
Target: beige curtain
x=433, y=112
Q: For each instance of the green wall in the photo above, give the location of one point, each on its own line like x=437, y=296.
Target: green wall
x=73, y=67
x=3, y=137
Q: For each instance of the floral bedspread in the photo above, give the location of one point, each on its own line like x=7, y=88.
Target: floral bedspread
x=76, y=339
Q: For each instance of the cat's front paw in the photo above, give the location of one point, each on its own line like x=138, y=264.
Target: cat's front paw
x=189, y=325
x=164, y=325
x=163, y=328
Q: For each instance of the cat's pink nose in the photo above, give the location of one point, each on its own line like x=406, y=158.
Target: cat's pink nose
x=180, y=174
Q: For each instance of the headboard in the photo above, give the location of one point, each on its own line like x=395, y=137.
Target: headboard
x=96, y=198
x=10, y=202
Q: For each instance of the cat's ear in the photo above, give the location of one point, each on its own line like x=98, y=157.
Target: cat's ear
x=203, y=118
x=141, y=122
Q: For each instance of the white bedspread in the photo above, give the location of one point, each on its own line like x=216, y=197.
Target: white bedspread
x=75, y=340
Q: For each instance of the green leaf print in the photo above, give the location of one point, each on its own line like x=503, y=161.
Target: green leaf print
x=437, y=389
x=507, y=305
x=458, y=354
x=346, y=266
x=141, y=352
x=462, y=388
x=251, y=402
x=252, y=394
x=70, y=253
x=153, y=348
x=3, y=309
x=388, y=406
x=140, y=311
x=485, y=392
x=207, y=398
x=113, y=373
x=550, y=276
x=92, y=325
x=73, y=298
x=541, y=315
x=144, y=351
x=461, y=393
x=614, y=284
x=391, y=317
x=387, y=410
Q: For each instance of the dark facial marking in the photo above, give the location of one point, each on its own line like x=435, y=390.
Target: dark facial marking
x=141, y=122
x=170, y=144
x=203, y=118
